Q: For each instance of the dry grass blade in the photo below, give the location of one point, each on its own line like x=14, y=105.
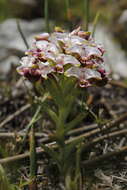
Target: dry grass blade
x=106, y=136
x=118, y=84
x=109, y=125
x=103, y=128
x=39, y=134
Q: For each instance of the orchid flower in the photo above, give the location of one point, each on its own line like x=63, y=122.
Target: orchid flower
x=51, y=53
x=61, y=62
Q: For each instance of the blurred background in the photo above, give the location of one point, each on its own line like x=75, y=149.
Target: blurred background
x=109, y=17
x=108, y=20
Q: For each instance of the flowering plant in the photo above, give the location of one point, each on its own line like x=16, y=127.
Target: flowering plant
x=72, y=54
x=64, y=64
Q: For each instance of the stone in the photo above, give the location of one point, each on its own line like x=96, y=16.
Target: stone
x=10, y=36
x=115, y=57
x=11, y=43
x=123, y=17
x=119, y=22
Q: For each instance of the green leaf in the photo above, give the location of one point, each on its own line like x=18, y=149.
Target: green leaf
x=53, y=154
x=35, y=118
x=67, y=156
x=53, y=116
x=95, y=22
x=4, y=182
x=67, y=85
x=70, y=184
x=71, y=147
x=76, y=121
x=55, y=91
x=33, y=161
x=3, y=152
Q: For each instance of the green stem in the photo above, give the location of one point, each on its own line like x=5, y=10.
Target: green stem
x=4, y=182
x=64, y=107
x=34, y=119
x=69, y=14
x=46, y=13
x=67, y=3
x=22, y=34
x=33, y=163
x=95, y=22
x=87, y=13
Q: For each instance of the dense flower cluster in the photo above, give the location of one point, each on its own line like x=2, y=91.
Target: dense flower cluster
x=72, y=54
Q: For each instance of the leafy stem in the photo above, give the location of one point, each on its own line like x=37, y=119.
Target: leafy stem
x=87, y=13
x=66, y=155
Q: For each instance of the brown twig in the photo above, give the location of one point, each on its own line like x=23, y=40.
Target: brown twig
x=106, y=136
x=120, y=178
x=105, y=156
x=22, y=156
x=19, y=134
x=12, y=116
x=108, y=108
x=103, y=128
x=118, y=84
x=39, y=135
x=109, y=125
x=90, y=100
x=82, y=129
x=40, y=151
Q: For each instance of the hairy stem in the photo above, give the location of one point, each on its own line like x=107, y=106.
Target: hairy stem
x=33, y=163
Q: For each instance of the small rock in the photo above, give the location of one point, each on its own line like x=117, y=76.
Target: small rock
x=115, y=57
x=9, y=34
x=12, y=45
x=123, y=18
